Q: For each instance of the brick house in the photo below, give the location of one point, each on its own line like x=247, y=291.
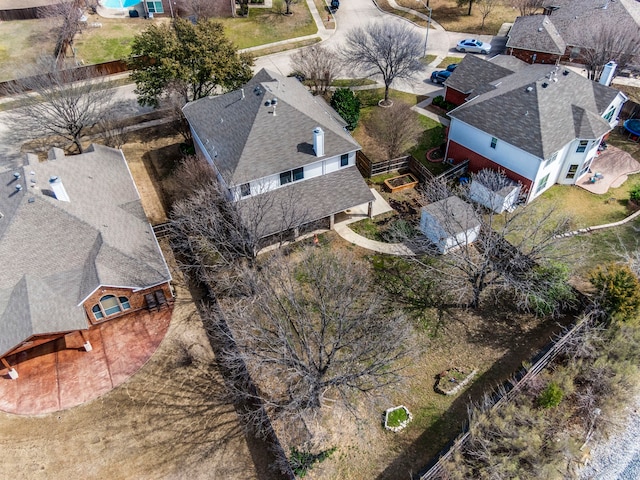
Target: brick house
x=540, y=124
x=76, y=250
x=282, y=154
x=562, y=30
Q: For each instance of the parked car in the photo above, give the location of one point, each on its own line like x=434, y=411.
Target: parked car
x=452, y=67
x=474, y=46
x=440, y=76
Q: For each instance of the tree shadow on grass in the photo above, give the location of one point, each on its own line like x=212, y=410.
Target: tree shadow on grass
x=418, y=456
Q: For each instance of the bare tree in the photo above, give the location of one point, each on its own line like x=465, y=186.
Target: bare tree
x=513, y=252
x=391, y=49
x=59, y=103
x=527, y=7
x=618, y=42
x=462, y=3
x=315, y=327
x=217, y=235
x=200, y=9
x=485, y=7
x=318, y=66
x=69, y=14
x=395, y=128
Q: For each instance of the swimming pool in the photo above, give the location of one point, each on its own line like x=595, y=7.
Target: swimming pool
x=119, y=3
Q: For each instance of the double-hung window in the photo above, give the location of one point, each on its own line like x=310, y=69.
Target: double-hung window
x=344, y=160
x=494, y=142
x=543, y=183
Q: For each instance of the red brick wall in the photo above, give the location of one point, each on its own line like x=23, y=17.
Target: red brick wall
x=454, y=96
x=541, y=57
x=136, y=299
x=478, y=162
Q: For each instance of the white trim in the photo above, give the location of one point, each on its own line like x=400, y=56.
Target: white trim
x=133, y=290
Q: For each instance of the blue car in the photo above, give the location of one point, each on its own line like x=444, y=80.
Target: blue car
x=440, y=76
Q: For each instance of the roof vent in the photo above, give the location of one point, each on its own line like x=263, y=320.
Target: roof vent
x=529, y=88
x=257, y=90
x=565, y=73
x=31, y=200
x=242, y=90
x=18, y=187
x=545, y=85
x=274, y=101
x=267, y=103
x=540, y=29
x=58, y=189
x=16, y=175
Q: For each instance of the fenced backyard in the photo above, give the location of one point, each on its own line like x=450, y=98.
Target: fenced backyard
x=370, y=169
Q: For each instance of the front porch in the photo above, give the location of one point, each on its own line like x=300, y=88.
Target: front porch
x=610, y=169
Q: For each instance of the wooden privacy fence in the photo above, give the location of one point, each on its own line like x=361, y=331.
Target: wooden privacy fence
x=370, y=169
x=84, y=72
x=507, y=392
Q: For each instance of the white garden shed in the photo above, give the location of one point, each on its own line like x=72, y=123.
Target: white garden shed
x=450, y=223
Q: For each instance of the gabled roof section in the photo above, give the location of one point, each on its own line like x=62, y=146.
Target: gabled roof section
x=250, y=136
x=54, y=253
x=453, y=214
x=540, y=109
x=473, y=72
x=537, y=33
x=569, y=23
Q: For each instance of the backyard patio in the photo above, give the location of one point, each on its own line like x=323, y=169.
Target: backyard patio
x=610, y=169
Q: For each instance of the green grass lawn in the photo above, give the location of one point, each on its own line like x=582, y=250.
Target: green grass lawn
x=21, y=42
x=264, y=26
x=587, y=209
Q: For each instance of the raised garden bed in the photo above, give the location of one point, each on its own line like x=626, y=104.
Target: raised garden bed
x=397, y=418
x=453, y=380
x=401, y=182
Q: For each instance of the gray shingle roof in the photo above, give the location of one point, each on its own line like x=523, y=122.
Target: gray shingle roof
x=307, y=201
x=56, y=253
x=537, y=33
x=571, y=23
x=531, y=111
x=473, y=72
x=249, y=141
x=453, y=214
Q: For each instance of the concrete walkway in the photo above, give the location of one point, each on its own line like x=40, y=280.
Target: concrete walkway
x=359, y=213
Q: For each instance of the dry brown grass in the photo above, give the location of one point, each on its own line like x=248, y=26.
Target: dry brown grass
x=164, y=422
x=454, y=18
x=21, y=42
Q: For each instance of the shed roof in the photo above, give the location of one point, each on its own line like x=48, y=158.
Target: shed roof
x=454, y=215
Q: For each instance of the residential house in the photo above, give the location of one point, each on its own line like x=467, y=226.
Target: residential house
x=280, y=152
x=565, y=27
x=449, y=223
x=76, y=250
x=540, y=124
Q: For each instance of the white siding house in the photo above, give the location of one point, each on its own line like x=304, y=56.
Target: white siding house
x=272, y=139
x=541, y=124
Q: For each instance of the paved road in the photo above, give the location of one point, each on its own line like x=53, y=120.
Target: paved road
x=354, y=13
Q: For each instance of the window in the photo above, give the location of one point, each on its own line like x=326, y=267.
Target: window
x=155, y=6
x=344, y=160
x=494, y=142
x=609, y=114
x=110, y=305
x=543, y=183
x=551, y=159
x=291, y=176
x=582, y=146
x=245, y=189
x=97, y=312
x=571, y=173
x=285, y=177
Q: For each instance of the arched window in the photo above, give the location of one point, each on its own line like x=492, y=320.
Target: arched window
x=110, y=305
x=97, y=312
